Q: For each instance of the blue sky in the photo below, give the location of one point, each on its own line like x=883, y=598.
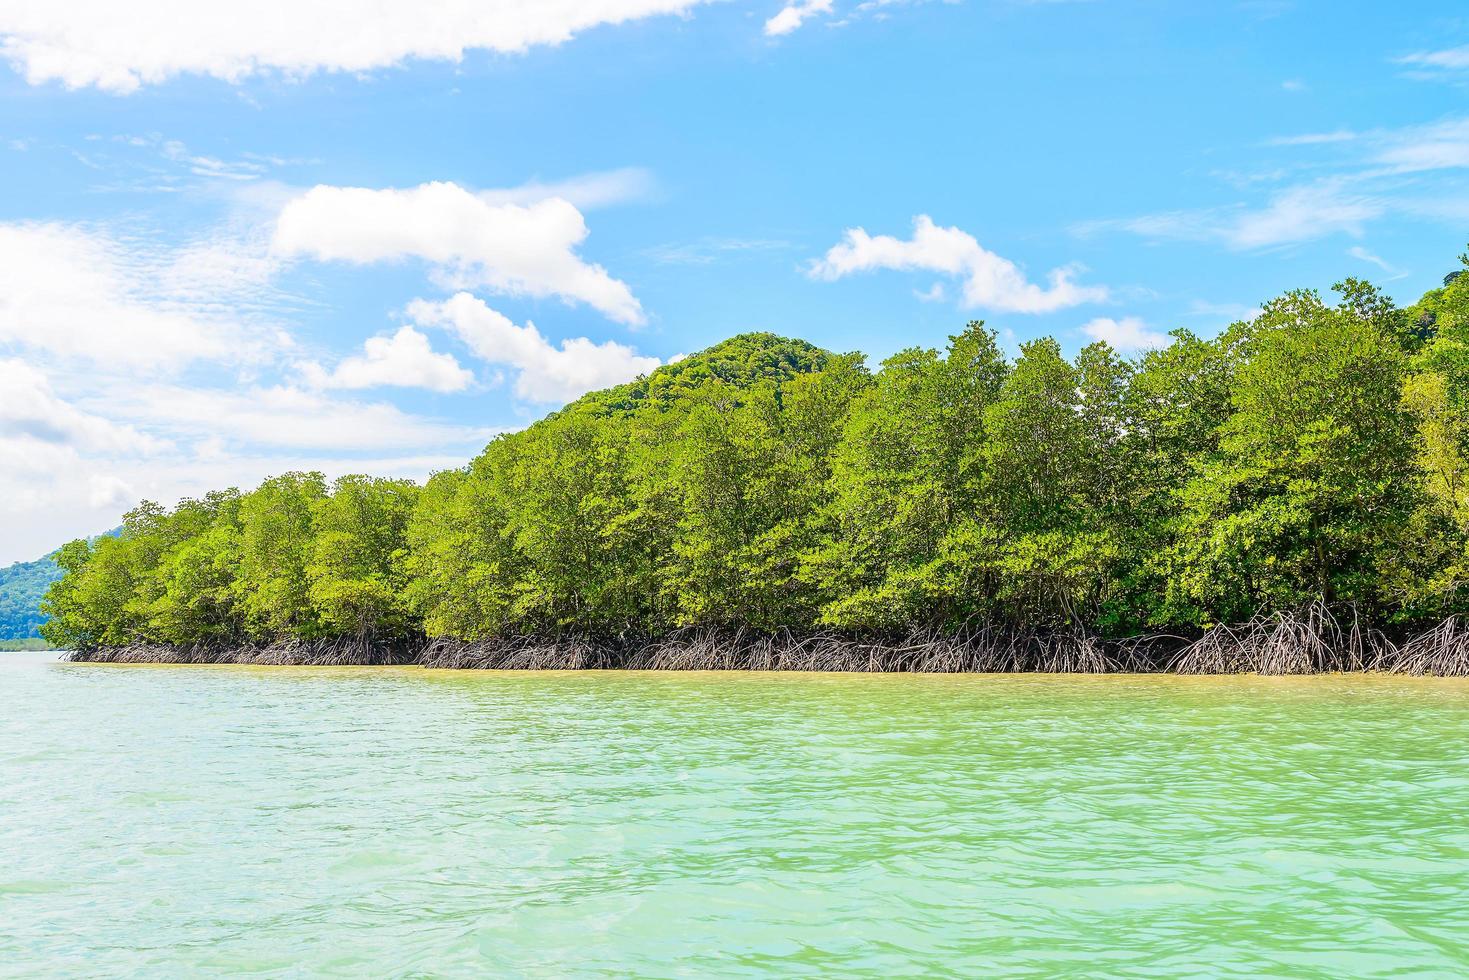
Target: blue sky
x=234, y=242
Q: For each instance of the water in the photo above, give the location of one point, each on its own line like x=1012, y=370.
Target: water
x=172, y=821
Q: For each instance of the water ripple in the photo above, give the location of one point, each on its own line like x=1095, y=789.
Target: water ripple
x=302, y=822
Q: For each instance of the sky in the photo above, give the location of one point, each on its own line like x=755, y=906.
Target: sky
x=241, y=239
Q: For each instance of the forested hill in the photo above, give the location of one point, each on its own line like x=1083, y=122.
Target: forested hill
x=21, y=587
x=738, y=363
x=1317, y=454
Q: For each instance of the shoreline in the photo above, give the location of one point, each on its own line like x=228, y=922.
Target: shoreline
x=1279, y=646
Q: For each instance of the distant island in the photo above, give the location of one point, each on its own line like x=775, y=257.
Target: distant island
x=1289, y=497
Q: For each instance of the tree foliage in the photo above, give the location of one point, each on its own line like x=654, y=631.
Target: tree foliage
x=1315, y=453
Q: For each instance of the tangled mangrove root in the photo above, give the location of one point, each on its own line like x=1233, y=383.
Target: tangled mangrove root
x=1310, y=640
x=152, y=653
x=332, y=652
x=983, y=649
x=1442, y=651
x=517, y=653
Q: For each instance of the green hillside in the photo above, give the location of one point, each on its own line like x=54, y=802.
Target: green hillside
x=21, y=587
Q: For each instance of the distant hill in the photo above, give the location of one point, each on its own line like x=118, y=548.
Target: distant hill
x=22, y=586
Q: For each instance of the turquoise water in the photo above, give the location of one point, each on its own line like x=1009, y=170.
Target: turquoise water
x=171, y=821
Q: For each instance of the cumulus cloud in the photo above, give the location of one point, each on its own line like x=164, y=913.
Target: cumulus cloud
x=403, y=360
x=80, y=293
x=121, y=46
x=135, y=364
x=1126, y=335
x=72, y=462
x=107, y=491
x=793, y=15
x=509, y=248
x=547, y=373
x=986, y=280
x=30, y=411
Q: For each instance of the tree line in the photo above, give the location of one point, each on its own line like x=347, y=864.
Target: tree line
x=1313, y=454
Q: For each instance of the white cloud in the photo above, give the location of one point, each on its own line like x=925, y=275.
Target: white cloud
x=207, y=166
x=1448, y=59
x=708, y=250
x=933, y=294
x=1413, y=170
x=1301, y=214
x=80, y=293
x=132, y=368
x=794, y=14
x=547, y=373
x=1126, y=335
x=1415, y=149
x=71, y=467
x=30, y=411
x=987, y=279
x=404, y=360
x=508, y=248
x=281, y=415
x=1296, y=214
x=50, y=494
x=1315, y=139
x=120, y=46
x=598, y=189
x=1442, y=145
x=1360, y=253
x=109, y=492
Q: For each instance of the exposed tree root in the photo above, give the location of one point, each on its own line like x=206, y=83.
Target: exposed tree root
x=336, y=651
x=1311, y=640
x=517, y=653
x=1441, y=651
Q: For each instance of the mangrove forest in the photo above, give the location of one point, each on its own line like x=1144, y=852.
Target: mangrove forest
x=1289, y=496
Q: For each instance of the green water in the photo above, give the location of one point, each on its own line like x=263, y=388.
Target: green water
x=172, y=821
